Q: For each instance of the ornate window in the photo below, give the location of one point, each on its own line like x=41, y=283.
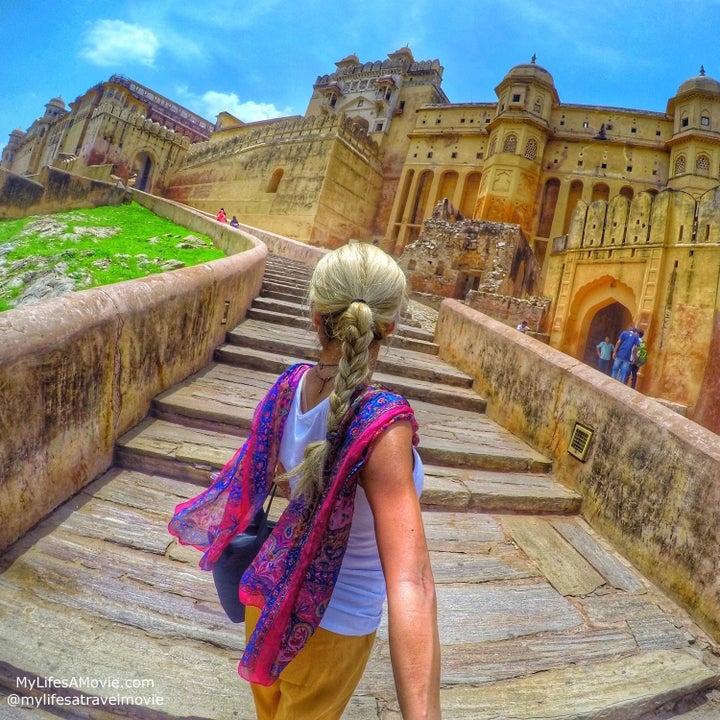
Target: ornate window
x=702, y=165
x=680, y=165
x=493, y=144
x=531, y=149
x=510, y=144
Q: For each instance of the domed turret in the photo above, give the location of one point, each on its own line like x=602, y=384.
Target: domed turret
x=526, y=72
x=701, y=83
x=55, y=107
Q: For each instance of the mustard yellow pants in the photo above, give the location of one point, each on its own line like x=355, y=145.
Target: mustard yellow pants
x=319, y=682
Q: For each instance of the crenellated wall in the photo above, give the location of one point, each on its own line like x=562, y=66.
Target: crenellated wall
x=651, y=481
x=235, y=140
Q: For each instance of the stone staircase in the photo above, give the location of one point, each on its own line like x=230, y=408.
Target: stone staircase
x=539, y=617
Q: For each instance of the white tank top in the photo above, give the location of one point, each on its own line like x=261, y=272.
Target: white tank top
x=356, y=605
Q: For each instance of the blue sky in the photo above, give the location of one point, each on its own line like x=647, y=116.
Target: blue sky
x=260, y=59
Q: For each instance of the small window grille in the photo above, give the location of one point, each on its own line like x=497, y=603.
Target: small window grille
x=580, y=441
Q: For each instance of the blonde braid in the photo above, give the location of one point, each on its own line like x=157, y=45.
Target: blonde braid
x=358, y=290
x=355, y=333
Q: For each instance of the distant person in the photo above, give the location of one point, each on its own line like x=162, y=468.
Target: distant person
x=222, y=216
x=639, y=360
x=523, y=327
x=604, y=351
x=234, y=222
x=624, y=354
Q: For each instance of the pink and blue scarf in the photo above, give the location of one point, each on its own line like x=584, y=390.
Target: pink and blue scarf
x=293, y=576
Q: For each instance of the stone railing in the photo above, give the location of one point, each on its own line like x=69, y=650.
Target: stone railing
x=79, y=371
x=651, y=479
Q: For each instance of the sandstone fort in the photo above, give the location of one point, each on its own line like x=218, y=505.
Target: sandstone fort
x=574, y=522
x=581, y=219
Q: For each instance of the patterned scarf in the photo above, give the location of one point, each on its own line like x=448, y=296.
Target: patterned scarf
x=293, y=576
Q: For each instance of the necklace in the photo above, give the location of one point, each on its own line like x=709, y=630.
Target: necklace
x=322, y=379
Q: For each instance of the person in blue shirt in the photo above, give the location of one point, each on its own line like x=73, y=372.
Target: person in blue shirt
x=604, y=351
x=624, y=354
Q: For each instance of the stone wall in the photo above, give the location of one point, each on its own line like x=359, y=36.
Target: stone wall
x=651, y=481
x=312, y=179
x=53, y=190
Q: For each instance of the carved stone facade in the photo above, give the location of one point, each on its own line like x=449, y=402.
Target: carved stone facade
x=118, y=129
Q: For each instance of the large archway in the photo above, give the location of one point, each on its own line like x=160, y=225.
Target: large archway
x=608, y=322
x=602, y=307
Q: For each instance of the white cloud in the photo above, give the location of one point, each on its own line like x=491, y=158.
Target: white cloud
x=114, y=42
x=211, y=103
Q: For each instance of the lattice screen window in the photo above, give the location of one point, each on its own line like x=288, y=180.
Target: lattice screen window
x=531, y=149
x=680, y=166
x=702, y=165
x=510, y=144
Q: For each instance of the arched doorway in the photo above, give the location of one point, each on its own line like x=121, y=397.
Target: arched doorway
x=609, y=321
x=142, y=168
x=602, y=306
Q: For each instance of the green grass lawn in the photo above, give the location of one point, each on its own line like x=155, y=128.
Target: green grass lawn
x=94, y=247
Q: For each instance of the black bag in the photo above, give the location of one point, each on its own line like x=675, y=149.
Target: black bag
x=236, y=559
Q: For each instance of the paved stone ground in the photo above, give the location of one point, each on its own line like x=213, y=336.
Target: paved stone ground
x=539, y=617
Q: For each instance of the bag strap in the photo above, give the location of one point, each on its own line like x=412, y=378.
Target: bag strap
x=272, y=497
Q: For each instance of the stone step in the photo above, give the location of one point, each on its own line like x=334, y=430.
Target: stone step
x=100, y=591
x=622, y=688
x=186, y=453
x=238, y=361
x=405, y=337
x=294, y=276
x=303, y=344
x=195, y=449
x=275, y=293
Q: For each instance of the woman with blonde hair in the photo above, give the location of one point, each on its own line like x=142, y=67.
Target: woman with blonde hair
x=342, y=450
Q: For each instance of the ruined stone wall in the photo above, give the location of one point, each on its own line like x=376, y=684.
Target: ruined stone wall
x=509, y=310
x=651, y=481
x=451, y=257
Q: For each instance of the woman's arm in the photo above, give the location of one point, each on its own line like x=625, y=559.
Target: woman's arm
x=387, y=479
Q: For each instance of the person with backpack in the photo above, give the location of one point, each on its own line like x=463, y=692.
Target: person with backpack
x=624, y=354
x=640, y=359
